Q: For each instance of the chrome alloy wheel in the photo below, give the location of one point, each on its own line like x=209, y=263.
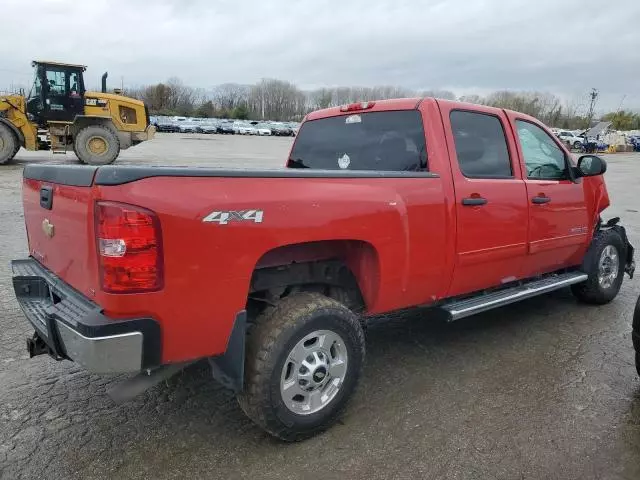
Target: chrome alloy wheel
x=608, y=266
x=313, y=372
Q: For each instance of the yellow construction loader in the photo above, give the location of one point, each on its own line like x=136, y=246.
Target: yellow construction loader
x=60, y=115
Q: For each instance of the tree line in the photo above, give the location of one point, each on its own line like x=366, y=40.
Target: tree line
x=281, y=100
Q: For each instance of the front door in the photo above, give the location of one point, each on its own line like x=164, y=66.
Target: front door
x=63, y=93
x=559, y=229
x=490, y=200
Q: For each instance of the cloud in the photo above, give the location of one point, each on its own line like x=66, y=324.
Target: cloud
x=565, y=48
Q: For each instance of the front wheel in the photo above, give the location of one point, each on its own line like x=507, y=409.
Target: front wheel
x=303, y=361
x=9, y=144
x=604, y=263
x=96, y=145
x=577, y=145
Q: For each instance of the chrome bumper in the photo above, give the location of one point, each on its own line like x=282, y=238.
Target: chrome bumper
x=110, y=354
x=70, y=326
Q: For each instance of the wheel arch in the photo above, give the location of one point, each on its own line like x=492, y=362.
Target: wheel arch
x=83, y=121
x=351, y=264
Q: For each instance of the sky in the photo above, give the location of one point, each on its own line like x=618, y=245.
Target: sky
x=467, y=46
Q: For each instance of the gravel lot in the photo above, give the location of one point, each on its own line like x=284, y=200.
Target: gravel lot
x=543, y=389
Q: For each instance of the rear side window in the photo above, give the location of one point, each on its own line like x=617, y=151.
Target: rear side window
x=481, y=146
x=385, y=141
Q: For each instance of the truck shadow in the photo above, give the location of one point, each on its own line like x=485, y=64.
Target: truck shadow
x=414, y=363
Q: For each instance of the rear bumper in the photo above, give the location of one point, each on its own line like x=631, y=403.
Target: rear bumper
x=73, y=327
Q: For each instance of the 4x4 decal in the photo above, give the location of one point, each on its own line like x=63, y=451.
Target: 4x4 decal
x=223, y=218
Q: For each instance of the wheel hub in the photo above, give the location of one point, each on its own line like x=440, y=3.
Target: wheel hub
x=313, y=372
x=608, y=266
x=97, y=145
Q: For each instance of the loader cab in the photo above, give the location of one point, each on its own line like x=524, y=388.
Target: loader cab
x=57, y=93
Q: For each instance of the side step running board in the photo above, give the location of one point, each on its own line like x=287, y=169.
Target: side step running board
x=483, y=302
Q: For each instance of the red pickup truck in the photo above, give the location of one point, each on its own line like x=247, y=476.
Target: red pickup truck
x=269, y=274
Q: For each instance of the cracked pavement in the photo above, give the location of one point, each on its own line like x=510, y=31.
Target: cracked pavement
x=542, y=389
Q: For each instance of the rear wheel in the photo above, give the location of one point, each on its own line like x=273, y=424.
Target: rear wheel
x=96, y=145
x=9, y=145
x=303, y=361
x=577, y=145
x=604, y=263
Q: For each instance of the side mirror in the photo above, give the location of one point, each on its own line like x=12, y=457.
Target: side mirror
x=591, y=165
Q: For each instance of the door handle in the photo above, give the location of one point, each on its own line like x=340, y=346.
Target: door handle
x=540, y=199
x=46, y=197
x=474, y=201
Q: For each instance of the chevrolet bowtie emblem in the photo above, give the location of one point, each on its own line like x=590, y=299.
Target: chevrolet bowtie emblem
x=48, y=228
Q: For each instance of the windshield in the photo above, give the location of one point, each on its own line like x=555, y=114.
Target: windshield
x=389, y=141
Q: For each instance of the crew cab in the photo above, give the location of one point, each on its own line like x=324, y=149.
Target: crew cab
x=270, y=275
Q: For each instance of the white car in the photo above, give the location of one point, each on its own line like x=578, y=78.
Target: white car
x=263, y=130
x=571, y=139
x=244, y=129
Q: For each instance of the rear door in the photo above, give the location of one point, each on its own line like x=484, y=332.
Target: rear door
x=559, y=229
x=490, y=199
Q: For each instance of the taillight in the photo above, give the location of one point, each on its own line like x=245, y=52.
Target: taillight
x=129, y=245
x=352, y=107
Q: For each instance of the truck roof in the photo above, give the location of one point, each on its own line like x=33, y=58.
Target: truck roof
x=379, y=106
x=60, y=64
x=399, y=104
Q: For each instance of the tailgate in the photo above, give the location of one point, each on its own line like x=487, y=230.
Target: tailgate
x=58, y=213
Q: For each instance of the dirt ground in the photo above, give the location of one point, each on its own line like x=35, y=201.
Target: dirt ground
x=545, y=389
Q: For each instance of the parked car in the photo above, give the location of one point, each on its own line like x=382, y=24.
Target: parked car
x=208, y=127
x=226, y=128
x=281, y=130
x=166, y=125
x=262, y=129
x=187, y=126
x=571, y=139
x=244, y=129
x=157, y=267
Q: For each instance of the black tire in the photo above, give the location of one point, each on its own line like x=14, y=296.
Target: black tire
x=270, y=340
x=636, y=334
x=81, y=148
x=9, y=144
x=577, y=145
x=592, y=291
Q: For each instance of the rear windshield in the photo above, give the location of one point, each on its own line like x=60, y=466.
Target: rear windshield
x=390, y=141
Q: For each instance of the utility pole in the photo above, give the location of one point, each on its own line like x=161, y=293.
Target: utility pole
x=592, y=106
x=621, y=102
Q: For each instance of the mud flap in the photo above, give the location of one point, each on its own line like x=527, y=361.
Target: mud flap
x=228, y=369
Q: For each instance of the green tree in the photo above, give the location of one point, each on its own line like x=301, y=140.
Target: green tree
x=206, y=110
x=621, y=120
x=240, y=112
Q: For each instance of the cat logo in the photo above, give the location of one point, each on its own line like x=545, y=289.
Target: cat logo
x=48, y=228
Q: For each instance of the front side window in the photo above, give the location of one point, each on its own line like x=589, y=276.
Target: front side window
x=480, y=144
x=56, y=81
x=543, y=157
x=385, y=141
